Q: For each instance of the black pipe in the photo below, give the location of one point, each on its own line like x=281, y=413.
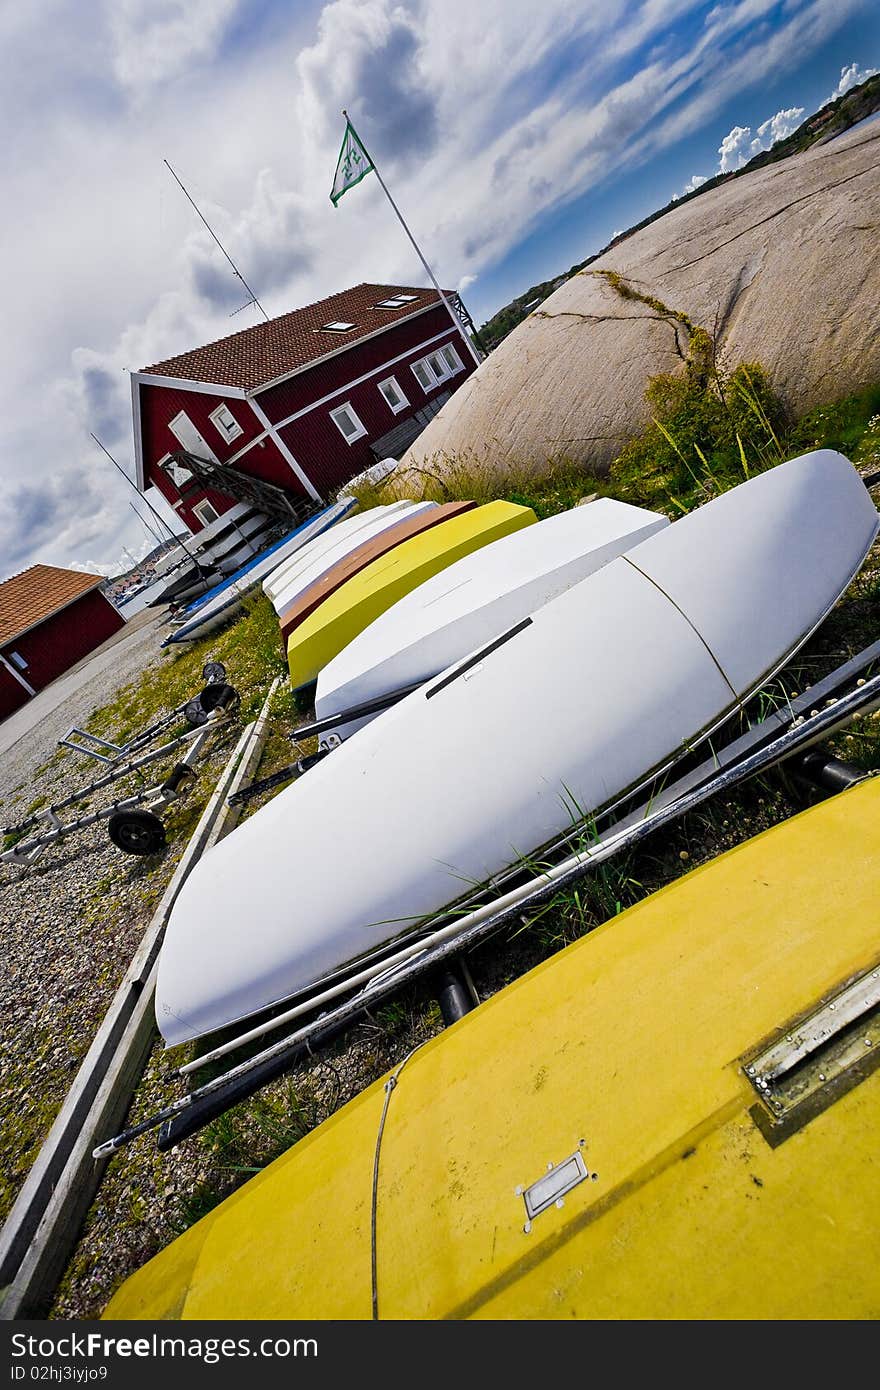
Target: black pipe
x=333, y=721
x=825, y=771
x=202, y=1112
x=284, y=774
x=311, y=759
x=454, y=991
x=265, y=784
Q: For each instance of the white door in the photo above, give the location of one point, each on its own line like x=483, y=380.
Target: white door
x=185, y=431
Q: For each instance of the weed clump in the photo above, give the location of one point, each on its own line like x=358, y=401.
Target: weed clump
x=469, y=477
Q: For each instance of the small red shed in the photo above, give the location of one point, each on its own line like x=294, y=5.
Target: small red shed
x=49, y=619
x=303, y=402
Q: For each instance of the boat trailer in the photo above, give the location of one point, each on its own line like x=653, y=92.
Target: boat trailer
x=134, y=825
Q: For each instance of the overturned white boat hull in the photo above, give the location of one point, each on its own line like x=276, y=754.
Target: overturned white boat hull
x=488, y=762
x=475, y=599
x=307, y=569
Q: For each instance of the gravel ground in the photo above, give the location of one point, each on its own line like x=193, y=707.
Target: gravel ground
x=70, y=922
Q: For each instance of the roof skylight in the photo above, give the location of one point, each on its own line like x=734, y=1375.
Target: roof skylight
x=397, y=301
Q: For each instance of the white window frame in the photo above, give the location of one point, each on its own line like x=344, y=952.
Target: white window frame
x=423, y=365
x=18, y=660
x=402, y=402
x=217, y=420
x=397, y=301
x=206, y=521
x=438, y=366
x=459, y=365
x=348, y=409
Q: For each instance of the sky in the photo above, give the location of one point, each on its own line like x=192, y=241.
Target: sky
x=516, y=138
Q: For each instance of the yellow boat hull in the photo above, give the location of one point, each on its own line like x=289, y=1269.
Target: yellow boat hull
x=366, y=596
x=624, y=1056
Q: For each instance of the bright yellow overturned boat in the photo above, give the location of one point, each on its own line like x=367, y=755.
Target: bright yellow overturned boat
x=675, y=1118
x=364, y=597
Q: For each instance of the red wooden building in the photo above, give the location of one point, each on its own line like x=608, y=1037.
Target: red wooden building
x=50, y=619
x=302, y=403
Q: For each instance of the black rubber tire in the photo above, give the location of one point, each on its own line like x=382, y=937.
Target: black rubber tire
x=213, y=673
x=215, y=697
x=197, y=709
x=194, y=712
x=137, y=832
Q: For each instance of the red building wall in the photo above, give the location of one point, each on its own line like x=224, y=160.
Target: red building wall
x=160, y=405
x=60, y=642
x=319, y=448
x=12, y=695
x=315, y=441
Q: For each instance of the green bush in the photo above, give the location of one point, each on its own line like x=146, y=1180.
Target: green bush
x=709, y=430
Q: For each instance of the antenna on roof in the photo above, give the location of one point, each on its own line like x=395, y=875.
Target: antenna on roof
x=253, y=298
x=161, y=520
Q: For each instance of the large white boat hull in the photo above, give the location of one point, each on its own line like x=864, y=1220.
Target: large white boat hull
x=475, y=599
x=496, y=757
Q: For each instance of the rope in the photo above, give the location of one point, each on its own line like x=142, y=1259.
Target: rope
x=390, y=1085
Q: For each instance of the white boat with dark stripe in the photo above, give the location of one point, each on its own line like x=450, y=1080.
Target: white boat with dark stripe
x=576, y=706
x=475, y=599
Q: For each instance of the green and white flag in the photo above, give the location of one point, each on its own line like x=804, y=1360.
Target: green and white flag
x=354, y=164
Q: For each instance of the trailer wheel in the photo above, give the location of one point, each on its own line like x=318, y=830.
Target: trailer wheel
x=137, y=832
x=194, y=713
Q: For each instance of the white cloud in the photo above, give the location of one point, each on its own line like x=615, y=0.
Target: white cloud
x=739, y=145
x=850, y=76
x=778, y=127
x=694, y=182
x=157, y=40
x=465, y=283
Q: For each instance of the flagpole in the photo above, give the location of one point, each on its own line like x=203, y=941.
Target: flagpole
x=452, y=314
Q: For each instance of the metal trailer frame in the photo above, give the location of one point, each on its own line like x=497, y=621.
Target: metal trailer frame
x=141, y=833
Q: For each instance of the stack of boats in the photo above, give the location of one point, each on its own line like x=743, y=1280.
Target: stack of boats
x=193, y=566
x=488, y=685
x=223, y=600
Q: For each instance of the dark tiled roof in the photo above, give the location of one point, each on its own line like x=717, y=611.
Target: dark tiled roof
x=261, y=354
x=37, y=593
